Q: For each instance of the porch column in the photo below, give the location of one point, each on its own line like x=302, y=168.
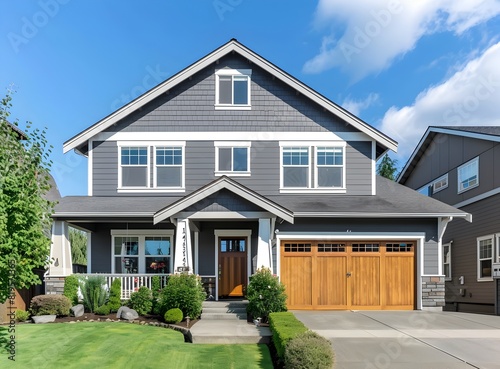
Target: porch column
x=183, y=255
x=264, y=245
x=61, y=263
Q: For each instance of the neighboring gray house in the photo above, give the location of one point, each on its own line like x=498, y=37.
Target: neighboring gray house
x=232, y=164
x=459, y=166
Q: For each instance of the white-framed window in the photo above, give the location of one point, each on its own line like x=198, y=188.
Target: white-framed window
x=447, y=261
x=232, y=88
x=440, y=184
x=134, y=166
x=485, y=253
x=142, y=251
x=232, y=158
x=468, y=175
x=169, y=167
x=316, y=167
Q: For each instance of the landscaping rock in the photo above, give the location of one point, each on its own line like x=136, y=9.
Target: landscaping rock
x=77, y=310
x=127, y=313
x=44, y=319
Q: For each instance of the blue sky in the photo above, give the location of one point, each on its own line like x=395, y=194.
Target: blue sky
x=399, y=65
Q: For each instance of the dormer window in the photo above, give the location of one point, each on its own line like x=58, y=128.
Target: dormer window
x=232, y=88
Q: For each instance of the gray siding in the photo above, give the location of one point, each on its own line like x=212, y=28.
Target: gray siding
x=431, y=266
x=104, y=168
x=359, y=168
x=224, y=200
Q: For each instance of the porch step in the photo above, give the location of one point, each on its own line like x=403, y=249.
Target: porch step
x=224, y=310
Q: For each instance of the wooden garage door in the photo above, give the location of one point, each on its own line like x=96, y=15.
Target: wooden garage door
x=348, y=275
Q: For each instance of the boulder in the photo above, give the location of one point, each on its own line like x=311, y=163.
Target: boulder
x=77, y=310
x=39, y=319
x=127, y=313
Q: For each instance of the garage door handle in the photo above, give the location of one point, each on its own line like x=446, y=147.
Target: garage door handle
x=348, y=274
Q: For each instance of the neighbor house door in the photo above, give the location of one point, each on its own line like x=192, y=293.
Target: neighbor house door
x=232, y=266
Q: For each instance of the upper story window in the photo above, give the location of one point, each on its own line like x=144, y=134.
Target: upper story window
x=232, y=158
x=232, y=88
x=169, y=167
x=134, y=166
x=151, y=166
x=468, y=175
x=435, y=186
x=318, y=168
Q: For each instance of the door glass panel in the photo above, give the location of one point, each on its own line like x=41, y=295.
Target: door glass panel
x=232, y=245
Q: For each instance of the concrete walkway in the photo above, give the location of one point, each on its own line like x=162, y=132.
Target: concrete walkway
x=408, y=339
x=229, y=331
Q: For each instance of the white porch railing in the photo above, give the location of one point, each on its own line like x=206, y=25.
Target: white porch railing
x=132, y=282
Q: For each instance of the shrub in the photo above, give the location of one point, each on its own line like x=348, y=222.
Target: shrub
x=265, y=294
x=94, y=294
x=115, y=293
x=174, y=316
x=308, y=350
x=50, y=305
x=155, y=291
x=141, y=301
x=103, y=310
x=71, y=289
x=183, y=291
x=284, y=327
x=22, y=316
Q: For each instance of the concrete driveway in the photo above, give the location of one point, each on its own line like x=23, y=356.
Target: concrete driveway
x=408, y=339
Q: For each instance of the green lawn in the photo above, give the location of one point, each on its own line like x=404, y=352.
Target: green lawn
x=121, y=345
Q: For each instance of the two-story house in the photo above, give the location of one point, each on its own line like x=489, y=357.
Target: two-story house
x=232, y=164
x=458, y=166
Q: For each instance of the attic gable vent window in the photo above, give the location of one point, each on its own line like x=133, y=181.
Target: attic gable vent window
x=232, y=89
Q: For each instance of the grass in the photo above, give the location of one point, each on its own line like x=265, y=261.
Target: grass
x=121, y=345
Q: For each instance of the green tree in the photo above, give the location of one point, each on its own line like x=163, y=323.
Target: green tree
x=388, y=168
x=24, y=211
x=78, y=240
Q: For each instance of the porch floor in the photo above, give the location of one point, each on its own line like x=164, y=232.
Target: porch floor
x=227, y=331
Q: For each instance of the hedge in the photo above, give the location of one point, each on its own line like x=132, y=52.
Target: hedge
x=284, y=326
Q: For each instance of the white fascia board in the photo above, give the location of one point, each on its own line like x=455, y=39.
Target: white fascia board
x=102, y=215
x=205, y=62
x=378, y=215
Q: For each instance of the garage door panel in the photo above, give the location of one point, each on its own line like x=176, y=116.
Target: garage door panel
x=332, y=281
x=399, y=281
x=296, y=274
x=365, y=281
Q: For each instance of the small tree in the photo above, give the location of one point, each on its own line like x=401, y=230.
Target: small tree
x=24, y=211
x=388, y=168
x=78, y=240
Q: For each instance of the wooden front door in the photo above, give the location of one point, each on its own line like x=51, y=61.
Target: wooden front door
x=232, y=266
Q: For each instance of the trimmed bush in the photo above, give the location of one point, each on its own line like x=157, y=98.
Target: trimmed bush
x=22, y=316
x=284, y=327
x=141, y=301
x=50, y=305
x=103, y=310
x=155, y=291
x=183, y=291
x=265, y=294
x=174, y=316
x=115, y=293
x=308, y=350
x=71, y=289
x=93, y=291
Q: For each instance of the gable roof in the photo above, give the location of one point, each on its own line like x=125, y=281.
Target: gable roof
x=489, y=133
x=78, y=142
x=215, y=186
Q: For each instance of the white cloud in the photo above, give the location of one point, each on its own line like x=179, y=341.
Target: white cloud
x=469, y=97
x=379, y=31
x=357, y=106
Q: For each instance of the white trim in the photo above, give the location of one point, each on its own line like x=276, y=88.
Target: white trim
x=67, y=214
x=182, y=187
x=434, y=190
x=459, y=183
x=480, y=197
x=339, y=143
x=201, y=215
x=89, y=252
x=342, y=188
x=142, y=232
x=483, y=238
x=90, y=165
x=150, y=190
x=196, y=252
x=155, y=142
x=231, y=136
x=378, y=215
x=448, y=244
x=374, y=168
x=312, y=190
x=219, y=233
x=232, y=145
x=232, y=73
x=120, y=146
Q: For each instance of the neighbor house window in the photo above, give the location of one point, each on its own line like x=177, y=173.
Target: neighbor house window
x=134, y=166
x=468, y=175
x=329, y=166
x=232, y=158
x=447, y=261
x=142, y=251
x=169, y=167
x=440, y=184
x=296, y=167
x=484, y=257
x=232, y=88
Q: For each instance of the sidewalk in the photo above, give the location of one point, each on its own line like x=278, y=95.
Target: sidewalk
x=229, y=331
